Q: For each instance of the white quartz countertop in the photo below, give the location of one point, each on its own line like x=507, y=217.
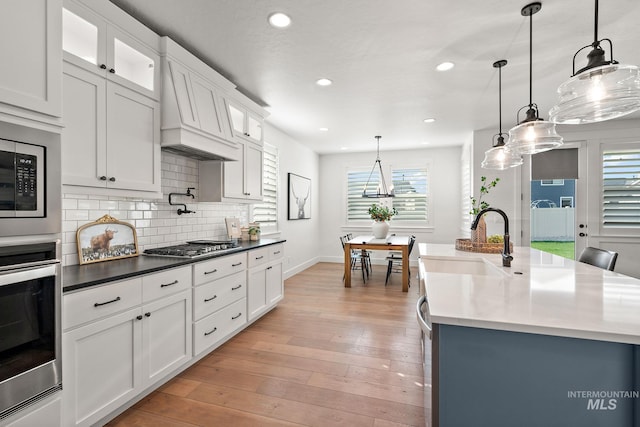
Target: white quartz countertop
x=552, y=296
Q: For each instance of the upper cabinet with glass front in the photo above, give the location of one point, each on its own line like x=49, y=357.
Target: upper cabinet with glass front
x=244, y=123
x=91, y=42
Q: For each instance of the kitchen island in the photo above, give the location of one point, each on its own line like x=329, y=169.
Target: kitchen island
x=548, y=341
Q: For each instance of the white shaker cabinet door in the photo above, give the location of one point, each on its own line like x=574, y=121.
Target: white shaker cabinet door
x=253, y=166
x=31, y=37
x=274, y=284
x=101, y=367
x=84, y=143
x=167, y=338
x=133, y=140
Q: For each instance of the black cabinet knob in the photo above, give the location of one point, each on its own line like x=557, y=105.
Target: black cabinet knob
x=112, y=71
x=112, y=179
x=582, y=234
x=103, y=67
x=103, y=178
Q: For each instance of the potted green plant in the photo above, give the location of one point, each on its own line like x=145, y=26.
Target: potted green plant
x=254, y=233
x=380, y=215
x=479, y=235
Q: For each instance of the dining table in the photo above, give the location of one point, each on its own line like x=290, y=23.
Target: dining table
x=390, y=243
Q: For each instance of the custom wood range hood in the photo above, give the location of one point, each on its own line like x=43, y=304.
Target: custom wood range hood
x=195, y=121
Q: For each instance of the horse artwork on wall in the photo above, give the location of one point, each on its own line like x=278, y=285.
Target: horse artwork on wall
x=299, y=197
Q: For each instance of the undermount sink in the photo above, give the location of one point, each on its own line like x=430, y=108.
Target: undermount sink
x=451, y=265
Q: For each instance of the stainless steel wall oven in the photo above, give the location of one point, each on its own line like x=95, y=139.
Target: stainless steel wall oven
x=30, y=324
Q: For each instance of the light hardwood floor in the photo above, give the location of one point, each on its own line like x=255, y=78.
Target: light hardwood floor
x=326, y=356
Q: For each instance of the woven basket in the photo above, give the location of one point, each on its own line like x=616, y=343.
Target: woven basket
x=487, y=248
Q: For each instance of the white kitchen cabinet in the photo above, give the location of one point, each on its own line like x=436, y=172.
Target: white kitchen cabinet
x=245, y=124
x=31, y=58
x=239, y=181
x=121, y=338
x=111, y=138
x=102, y=367
x=215, y=328
x=265, y=284
x=92, y=42
x=166, y=336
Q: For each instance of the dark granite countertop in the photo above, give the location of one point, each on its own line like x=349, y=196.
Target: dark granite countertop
x=76, y=277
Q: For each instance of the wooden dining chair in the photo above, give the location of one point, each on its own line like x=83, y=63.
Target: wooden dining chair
x=599, y=257
x=394, y=261
x=358, y=262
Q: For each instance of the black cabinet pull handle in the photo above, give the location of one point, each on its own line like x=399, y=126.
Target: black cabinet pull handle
x=103, y=178
x=210, y=299
x=259, y=257
x=211, y=272
x=210, y=332
x=98, y=304
x=269, y=268
x=112, y=179
x=139, y=317
x=276, y=252
x=147, y=314
x=236, y=288
x=164, y=285
x=112, y=70
x=103, y=67
x=235, y=265
x=235, y=317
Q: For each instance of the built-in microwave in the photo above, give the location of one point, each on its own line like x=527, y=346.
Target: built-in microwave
x=30, y=188
x=22, y=182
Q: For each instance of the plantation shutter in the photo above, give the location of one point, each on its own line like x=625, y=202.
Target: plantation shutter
x=358, y=206
x=410, y=187
x=266, y=213
x=621, y=189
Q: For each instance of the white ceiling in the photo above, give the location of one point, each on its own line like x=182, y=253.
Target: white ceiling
x=381, y=56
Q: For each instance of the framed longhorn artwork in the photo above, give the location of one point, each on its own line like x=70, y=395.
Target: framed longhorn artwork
x=299, y=197
x=106, y=239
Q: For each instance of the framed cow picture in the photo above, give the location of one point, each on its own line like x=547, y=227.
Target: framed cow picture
x=106, y=239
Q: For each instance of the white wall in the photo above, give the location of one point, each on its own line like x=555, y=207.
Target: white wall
x=301, y=235
x=444, y=179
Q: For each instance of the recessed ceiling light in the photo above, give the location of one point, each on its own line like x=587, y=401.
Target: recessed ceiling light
x=344, y=148
x=429, y=120
x=279, y=20
x=445, y=66
x=425, y=143
x=324, y=129
x=323, y=82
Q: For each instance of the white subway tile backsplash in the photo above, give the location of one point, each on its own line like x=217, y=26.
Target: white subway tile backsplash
x=157, y=223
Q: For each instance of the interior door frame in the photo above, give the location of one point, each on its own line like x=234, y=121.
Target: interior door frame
x=580, y=201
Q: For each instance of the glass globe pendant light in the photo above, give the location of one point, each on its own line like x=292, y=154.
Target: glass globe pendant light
x=532, y=135
x=498, y=157
x=602, y=90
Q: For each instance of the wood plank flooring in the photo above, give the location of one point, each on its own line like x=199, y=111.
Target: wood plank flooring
x=326, y=356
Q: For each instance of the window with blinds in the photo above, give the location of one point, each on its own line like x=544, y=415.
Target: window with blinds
x=621, y=189
x=266, y=213
x=410, y=188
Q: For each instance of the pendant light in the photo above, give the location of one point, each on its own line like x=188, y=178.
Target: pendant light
x=498, y=157
x=381, y=189
x=533, y=134
x=603, y=90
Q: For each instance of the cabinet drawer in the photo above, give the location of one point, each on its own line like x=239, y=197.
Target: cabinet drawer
x=207, y=271
x=258, y=256
x=213, y=328
x=276, y=252
x=166, y=282
x=86, y=306
x=214, y=295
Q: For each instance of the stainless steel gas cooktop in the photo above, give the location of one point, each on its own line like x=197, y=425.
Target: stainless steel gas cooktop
x=193, y=249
